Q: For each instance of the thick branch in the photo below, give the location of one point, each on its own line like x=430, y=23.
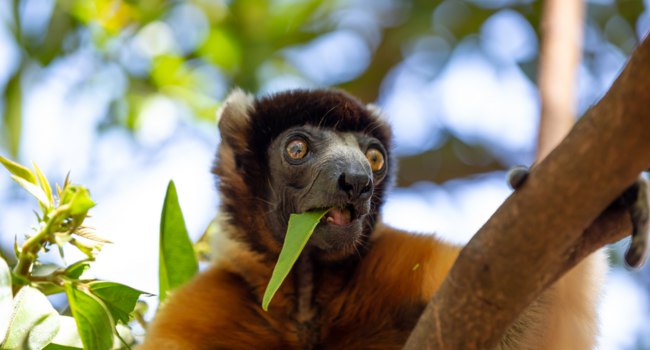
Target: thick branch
x=546, y=227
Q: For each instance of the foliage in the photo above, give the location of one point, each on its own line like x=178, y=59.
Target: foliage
x=299, y=229
x=99, y=309
x=158, y=63
x=191, y=52
x=177, y=259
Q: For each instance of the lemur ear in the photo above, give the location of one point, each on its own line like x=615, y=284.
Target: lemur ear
x=376, y=111
x=234, y=119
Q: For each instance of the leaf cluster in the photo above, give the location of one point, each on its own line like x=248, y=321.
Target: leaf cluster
x=99, y=309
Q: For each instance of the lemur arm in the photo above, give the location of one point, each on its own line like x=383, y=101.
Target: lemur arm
x=567, y=310
x=636, y=198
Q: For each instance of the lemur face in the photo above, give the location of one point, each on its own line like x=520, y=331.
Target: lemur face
x=318, y=168
x=297, y=151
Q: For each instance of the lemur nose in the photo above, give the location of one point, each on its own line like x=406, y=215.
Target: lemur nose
x=355, y=183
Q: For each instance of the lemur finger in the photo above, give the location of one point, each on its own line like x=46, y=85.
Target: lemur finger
x=637, y=199
x=517, y=175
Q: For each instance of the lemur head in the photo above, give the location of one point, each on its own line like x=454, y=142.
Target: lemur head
x=298, y=151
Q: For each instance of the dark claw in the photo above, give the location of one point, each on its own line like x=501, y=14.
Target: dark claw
x=517, y=175
x=636, y=199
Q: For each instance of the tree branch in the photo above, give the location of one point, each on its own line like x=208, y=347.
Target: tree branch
x=548, y=225
x=559, y=58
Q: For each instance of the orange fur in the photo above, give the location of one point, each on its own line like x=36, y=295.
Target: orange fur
x=371, y=305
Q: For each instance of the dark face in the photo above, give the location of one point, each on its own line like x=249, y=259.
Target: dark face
x=316, y=168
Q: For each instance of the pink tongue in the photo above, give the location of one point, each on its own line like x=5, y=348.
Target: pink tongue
x=338, y=217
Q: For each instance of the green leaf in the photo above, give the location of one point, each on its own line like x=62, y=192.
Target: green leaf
x=13, y=110
x=34, y=190
x=68, y=336
x=48, y=288
x=93, y=320
x=33, y=323
x=177, y=259
x=300, y=228
x=49, y=48
x=45, y=185
x=18, y=170
x=75, y=270
x=79, y=199
x=5, y=299
x=118, y=298
x=53, y=346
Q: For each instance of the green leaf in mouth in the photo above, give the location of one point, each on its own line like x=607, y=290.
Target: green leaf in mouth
x=300, y=228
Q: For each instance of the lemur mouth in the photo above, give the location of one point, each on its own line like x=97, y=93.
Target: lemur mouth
x=340, y=216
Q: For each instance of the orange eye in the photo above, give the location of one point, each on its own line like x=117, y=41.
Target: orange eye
x=297, y=149
x=376, y=159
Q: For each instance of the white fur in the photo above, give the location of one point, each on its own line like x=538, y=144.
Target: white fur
x=573, y=316
x=565, y=316
x=238, y=104
x=223, y=247
x=376, y=111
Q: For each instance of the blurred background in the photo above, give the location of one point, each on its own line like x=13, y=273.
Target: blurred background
x=123, y=94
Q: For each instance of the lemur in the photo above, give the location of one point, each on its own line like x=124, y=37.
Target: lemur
x=359, y=283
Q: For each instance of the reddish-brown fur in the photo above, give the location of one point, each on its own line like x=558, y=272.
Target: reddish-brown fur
x=372, y=304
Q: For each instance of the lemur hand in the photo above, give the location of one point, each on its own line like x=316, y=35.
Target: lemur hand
x=637, y=200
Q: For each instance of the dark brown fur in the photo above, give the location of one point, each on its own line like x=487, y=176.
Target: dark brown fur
x=242, y=157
